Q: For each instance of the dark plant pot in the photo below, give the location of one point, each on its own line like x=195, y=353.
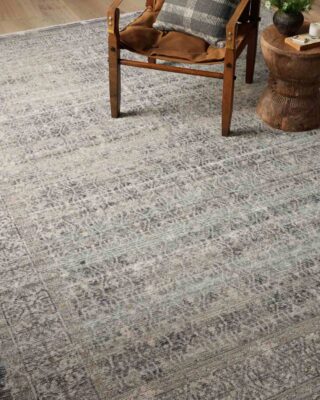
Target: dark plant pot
x=288, y=24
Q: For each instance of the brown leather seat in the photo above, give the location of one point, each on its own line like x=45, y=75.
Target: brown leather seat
x=142, y=38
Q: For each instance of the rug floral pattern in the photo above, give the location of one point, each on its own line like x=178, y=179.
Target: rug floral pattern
x=148, y=257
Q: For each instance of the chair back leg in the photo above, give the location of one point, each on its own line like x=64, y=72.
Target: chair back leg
x=251, y=55
x=254, y=17
x=228, y=91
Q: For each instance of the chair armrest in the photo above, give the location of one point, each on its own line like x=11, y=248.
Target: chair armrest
x=231, y=28
x=113, y=15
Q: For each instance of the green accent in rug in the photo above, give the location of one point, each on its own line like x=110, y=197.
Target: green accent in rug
x=148, y=257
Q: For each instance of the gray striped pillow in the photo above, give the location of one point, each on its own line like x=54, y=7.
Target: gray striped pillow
x=206, y=19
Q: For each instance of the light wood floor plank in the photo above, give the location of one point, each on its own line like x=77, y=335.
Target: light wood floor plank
x=16, y=15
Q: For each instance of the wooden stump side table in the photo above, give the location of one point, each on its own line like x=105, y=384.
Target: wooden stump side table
x=291, y=101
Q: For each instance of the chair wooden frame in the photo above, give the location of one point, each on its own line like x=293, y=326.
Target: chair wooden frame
x=246, y=15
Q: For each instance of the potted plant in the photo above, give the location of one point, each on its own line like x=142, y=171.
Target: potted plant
x=288, y=19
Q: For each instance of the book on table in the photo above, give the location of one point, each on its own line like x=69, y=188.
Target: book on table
x=303, y=42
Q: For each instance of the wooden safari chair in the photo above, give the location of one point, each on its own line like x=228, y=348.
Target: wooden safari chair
x=140, y=37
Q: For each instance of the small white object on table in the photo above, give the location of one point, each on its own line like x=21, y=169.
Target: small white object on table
x=314, y=30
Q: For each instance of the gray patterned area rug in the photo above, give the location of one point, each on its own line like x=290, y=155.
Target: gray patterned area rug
x=148, y=257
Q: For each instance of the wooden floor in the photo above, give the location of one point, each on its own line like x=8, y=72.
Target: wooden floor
x=20, y=15
x=17, y=15
x=314, y=14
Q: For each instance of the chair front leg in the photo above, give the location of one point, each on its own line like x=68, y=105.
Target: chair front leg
x=114, y=69
x=228, y=90
x=114, y=82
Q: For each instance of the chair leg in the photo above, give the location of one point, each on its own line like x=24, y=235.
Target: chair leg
x=228, y=92
x=251, y=55
x=114, y=81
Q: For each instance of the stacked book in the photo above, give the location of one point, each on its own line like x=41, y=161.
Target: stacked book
x=307, y=40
